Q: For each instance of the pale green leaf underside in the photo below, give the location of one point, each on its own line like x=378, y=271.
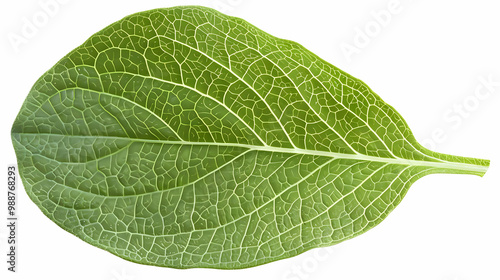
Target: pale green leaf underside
x=183, y=137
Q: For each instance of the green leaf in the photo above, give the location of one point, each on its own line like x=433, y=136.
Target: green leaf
x=183, y=137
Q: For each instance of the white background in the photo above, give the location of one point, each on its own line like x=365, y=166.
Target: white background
x=427, y=60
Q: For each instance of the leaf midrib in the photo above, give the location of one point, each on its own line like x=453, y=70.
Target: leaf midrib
x=400, y=161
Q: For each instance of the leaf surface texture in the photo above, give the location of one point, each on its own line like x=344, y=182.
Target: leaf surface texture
x=183, y=137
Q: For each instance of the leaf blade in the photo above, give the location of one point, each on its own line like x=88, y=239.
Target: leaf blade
x=181, y=151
